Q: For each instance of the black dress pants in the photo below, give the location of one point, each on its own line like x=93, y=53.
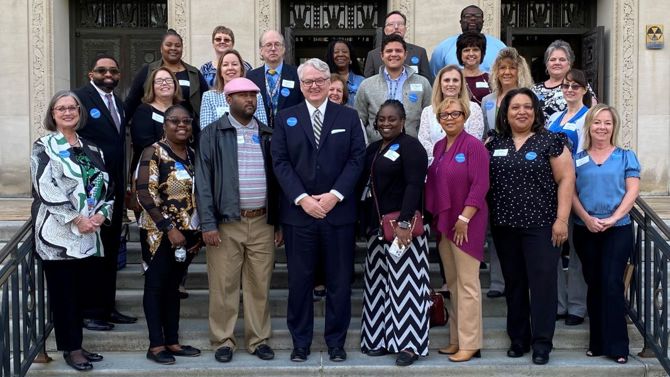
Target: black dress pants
x=161, y=290
x=66, y=284
x=604, y=256
x=528, y=261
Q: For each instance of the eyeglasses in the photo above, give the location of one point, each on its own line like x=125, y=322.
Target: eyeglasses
x=104, y=70
x=65, y=109
x=224, y=40
x=395, y=24
x=164, y=81
x=573, y=86
x=318, y=82
x=451, y=115
x=270, y=45
x=177, y=121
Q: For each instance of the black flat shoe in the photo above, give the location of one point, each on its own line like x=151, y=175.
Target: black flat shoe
x=560, y=317
x=516, y=350
x=573, y=320
x=264, y=352
x=161, y=357
x=620, y=359
x=377, y=352
x=187, y=351
x=406, y=358
x=86, y=365
x=122, y=319
x=494, y=294
x=96, y=325
x=337, y=354
x=91, y=356
x=540, y=358
x=590, y=353
x=299, y=354
x=223, y=354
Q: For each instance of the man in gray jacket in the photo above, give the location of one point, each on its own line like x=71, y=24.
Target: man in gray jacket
x=395, y=80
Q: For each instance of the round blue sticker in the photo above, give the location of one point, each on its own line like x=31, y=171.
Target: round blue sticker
x=394, y=147
x=95, y=113
x=64, y=154
x=291, y=122
x=460, y=158
x=285, y=92
x=530, y=156
x=415, y=59
x=489, y=105
x=413, y=97
x=256, y=139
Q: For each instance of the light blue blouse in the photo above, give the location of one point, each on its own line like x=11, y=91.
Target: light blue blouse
x=214, y=105
x=601, y=188
x=353, y=83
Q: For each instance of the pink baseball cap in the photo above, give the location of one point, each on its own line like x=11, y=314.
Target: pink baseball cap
x=240, y=84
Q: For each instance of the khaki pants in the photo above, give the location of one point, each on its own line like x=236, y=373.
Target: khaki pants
x=246, y=254
x=465, y=311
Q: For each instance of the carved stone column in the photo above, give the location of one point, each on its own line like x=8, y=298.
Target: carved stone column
x=267, y=18
x=491, y=9
x=624, y=68
x=406, y=7
x=41, y=62
x=179, y=19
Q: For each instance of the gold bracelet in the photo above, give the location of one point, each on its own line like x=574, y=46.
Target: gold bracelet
x=561, y=220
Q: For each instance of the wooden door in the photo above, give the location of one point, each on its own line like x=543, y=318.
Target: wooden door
x=593, y=58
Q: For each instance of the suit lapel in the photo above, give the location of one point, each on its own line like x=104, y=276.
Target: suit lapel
x=328, y=120
x=306, y=123
x=102, y=106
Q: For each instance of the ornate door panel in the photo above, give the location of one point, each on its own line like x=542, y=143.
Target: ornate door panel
x=131, y=31
x=314, y=23
x=593, y=53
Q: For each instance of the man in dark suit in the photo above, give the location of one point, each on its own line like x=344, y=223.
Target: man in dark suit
x=317, y=150
x=278, y=81
x=105, y=127
x=417, y=58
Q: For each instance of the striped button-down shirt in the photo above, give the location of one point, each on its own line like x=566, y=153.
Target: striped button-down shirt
x=253, y=188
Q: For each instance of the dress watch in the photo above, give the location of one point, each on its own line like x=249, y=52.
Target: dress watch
x=404, y=224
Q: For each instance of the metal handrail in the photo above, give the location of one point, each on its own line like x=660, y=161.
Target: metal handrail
x=26, y=320
x=647, y=301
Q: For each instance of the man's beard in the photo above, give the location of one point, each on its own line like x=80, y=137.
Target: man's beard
x=101, y=83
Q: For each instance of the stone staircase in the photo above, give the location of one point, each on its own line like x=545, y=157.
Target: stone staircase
x=124, y=348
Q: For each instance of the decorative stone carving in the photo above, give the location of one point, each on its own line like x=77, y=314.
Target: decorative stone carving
x=179, y=11
x=625, y=70
x=406, y=7
x=491, y=9
x=41, y=63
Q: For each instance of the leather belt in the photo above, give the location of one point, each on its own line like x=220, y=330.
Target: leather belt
x=253, y=212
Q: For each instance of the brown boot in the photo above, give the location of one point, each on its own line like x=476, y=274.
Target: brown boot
x=448, y=350
x=464, y=355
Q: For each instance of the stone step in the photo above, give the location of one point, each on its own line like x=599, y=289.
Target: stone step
x=196, y=305
x=493, y=363
x=134, y=337
x=131, y=277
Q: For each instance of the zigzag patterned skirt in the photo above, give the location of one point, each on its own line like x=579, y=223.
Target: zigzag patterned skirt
x=396, y=298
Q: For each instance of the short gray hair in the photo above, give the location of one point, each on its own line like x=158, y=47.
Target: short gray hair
x=49, y=122
x=317, y=64
x=260, y=40
x=559, y=44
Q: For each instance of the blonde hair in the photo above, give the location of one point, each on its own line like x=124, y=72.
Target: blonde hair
x=465, y=106
x=590, y=118
x=523, y=77
x=438, y=96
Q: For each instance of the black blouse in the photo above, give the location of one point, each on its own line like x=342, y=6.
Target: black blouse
x=523, y=191
x=399, y=173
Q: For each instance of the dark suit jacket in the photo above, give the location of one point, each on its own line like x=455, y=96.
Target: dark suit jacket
x=294, y=96
x=416, y=56
x=301, y=167
x=102, y=132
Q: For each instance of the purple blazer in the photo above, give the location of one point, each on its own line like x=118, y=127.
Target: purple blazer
x=457, y=178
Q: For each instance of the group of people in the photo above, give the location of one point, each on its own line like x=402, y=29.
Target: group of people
x=243, y=160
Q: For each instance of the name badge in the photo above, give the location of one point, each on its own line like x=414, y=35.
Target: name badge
x=288, y=84
x=582, y=161
x=392, y=155
x=240, y=139
x=414, y=68
x=184, y=83
x=157, y=117
x=481, y=84
x=500, y=152
x=416, y=87
x=181, y=172
x=570, y=127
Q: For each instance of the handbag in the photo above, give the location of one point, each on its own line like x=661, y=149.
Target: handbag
x=437, y=312
x=389, y=222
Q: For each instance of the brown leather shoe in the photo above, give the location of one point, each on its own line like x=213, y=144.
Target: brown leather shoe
x=448, y=350
x=464, y=355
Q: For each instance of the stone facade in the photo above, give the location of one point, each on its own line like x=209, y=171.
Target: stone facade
x=37, y=63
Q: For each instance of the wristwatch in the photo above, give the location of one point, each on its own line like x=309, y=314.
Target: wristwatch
x=404, y=224
x=169, y=227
